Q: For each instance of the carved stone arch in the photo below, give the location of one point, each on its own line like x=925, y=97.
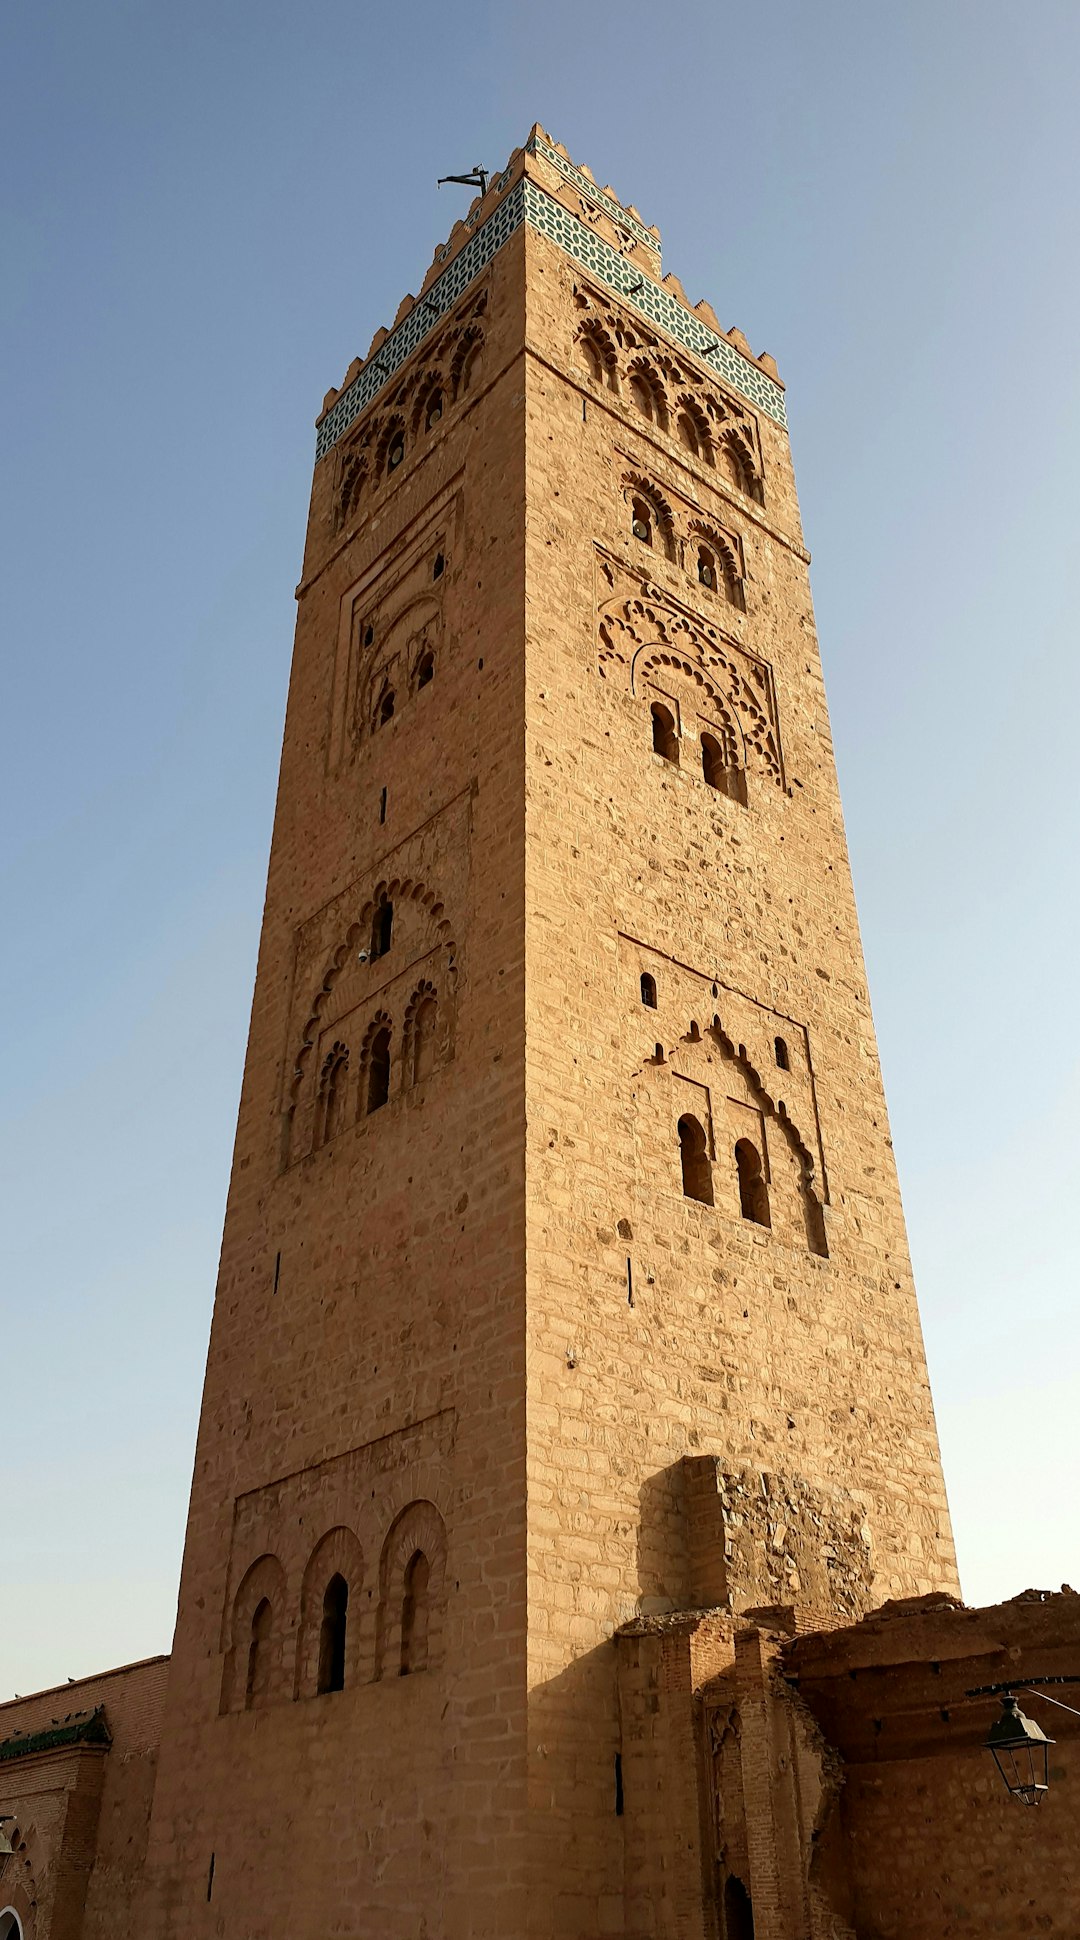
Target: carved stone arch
x=426, y=1033
x=688, y=406
x=467, y=351
x=389, y=664
x=814, y=1196
x=263, y=1582
x=353, y=481
x=331, y=1109
x=431, y=385
x=338, y=1553
x=394, y=430
x=592, y=337
x=736, y=457
x=635, y=486
x=711, y=698
x=401, y=891
x=648, y=391
x=726, y=552
x=418, y=1530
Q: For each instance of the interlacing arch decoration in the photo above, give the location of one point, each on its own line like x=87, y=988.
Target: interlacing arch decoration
x=735, y=458
x=646, y=390
x=692, y=428
x=641, y=635
x=641, y=496
x=677, y=398
x=402, y=893
x=390, y=662
x=430, y=392
x=392, y=438
x=362, y=459
x=332, y=1107
x=329, y=1649
x=714, y=551
x=412, y=1582
x=422, y=1034
x=354, y=467
x=598, y=354
x=464, y=360
x=777, y=1112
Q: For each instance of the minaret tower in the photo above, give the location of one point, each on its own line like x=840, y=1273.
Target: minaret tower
x=564, y=1280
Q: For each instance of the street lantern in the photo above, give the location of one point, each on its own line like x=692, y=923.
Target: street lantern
x=1021, y=1752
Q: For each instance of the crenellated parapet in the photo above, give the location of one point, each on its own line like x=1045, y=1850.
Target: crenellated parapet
x=543, y=188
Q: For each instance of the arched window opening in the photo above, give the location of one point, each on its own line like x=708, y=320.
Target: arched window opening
x=665, y=738
x=369, y=635
x=706, y=568
x=424, y=1022
x=395, y=454
x=258, y=1663
x=439, y=567
x=641, y=521
x=386, y=708
x=591, y=358
x=738, y=1910
x=719, y=772
x=378, y=1073
x=382, y=929
x=332, y=1636
x=753, y=1192
x=434, y=411
x=688, y=434
x=648, y=990
x=642, y=393
x=783, y=1061
x=415, y=1614
x=10, y=1925
x=694, y=1153
x=334, y=1086
x=425, y=670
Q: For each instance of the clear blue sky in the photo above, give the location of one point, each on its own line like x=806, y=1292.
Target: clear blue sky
x=207, y=210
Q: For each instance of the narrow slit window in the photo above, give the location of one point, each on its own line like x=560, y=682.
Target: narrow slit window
x=641, y=523
x=378, y=1075
x=332, y=1635
x=415, y=1614
x=648, y=990
x=425, y=671
x=386, y=707
x=382, y=929
x=258, y=1664
x=783, y=1061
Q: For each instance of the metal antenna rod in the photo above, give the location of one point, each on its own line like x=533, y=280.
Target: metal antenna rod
x=477, y=178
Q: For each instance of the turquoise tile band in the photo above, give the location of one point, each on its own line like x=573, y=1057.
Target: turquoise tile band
x=527, y=203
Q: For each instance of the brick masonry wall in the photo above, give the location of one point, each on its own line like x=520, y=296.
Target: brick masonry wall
x=368, y=1335
x=740, y=1341
x=80, y=1815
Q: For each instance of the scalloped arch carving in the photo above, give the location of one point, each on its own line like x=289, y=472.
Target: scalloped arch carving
x=639, y=633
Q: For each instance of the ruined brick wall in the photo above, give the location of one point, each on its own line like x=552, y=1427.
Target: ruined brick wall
x=364, y=1393
x=660, y=1325
x=79, y=1813
x=938, y=1851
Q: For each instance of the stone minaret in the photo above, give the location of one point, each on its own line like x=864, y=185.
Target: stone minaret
x=564, y=1279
